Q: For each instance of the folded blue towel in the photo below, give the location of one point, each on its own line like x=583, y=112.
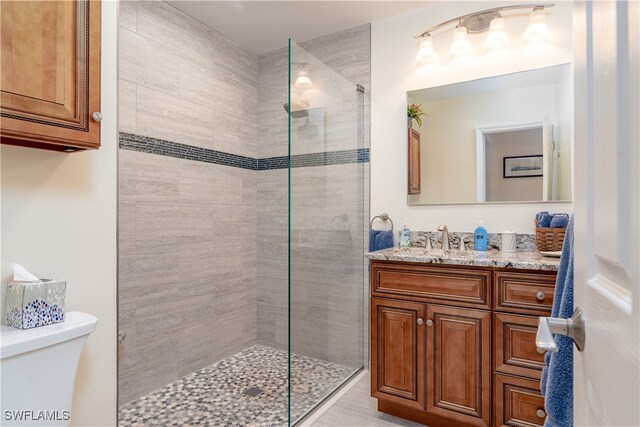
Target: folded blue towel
x=559, y=220
x=544, y=220
x=539, y=214
x=557, y=376
x=380, y=239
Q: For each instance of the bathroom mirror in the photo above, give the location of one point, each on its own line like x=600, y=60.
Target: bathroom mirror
x=502, y=139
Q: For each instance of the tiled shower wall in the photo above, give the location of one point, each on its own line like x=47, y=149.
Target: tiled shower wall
x=187, y=247
x=189, y=289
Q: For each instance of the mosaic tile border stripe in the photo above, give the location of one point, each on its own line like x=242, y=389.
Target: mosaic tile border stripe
x=161, y=147
x=342, y=157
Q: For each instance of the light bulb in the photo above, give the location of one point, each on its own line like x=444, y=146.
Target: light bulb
x=537, y=30
x=302, y=81
x=497, y=37
x=427, y=53
x=460, y=45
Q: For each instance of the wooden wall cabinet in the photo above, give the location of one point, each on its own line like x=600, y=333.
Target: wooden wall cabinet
x=414, y=161
x=50, y=82
x=445, y=353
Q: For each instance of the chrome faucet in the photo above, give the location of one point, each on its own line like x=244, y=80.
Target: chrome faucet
x=445, y=237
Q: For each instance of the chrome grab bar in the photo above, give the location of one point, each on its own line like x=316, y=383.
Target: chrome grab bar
x=548, y=326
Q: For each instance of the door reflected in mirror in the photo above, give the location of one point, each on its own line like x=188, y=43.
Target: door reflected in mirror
x=502, y=139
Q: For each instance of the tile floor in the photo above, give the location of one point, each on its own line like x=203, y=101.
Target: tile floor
x=358, y=409
x=247, y=389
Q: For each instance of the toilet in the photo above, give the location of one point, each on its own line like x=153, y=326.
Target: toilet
x=38, y=370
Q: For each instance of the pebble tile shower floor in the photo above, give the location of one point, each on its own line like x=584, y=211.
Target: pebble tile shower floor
x=221, y=394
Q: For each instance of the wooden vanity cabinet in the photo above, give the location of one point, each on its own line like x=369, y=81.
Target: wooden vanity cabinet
x=50, y=67
x=445, y=353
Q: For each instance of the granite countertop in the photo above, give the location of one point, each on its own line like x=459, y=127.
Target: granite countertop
x=498, y=259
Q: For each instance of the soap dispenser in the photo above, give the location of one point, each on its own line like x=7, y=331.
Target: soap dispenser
x=405, y=235
x=480, y=236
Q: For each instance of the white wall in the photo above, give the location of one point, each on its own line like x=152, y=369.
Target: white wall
x=59, y=220
x=394, y=71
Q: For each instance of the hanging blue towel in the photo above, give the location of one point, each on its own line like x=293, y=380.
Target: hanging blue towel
x=380, y=239
x=557, y=376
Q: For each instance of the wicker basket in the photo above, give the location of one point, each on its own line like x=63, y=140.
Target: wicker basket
x=549, y=239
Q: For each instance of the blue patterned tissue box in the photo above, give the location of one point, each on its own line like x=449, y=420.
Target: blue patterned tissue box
x=32, y=304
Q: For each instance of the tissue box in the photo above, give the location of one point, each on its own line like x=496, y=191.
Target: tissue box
x=32, y=304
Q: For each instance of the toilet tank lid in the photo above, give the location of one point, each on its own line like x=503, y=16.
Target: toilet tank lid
x=17, y=341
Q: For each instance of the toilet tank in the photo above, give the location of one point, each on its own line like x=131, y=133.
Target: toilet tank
x=38, y=369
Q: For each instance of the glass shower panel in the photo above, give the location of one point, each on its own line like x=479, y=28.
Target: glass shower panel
x=326, y=231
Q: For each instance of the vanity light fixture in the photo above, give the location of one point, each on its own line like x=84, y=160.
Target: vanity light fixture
x=427, y=53
x=497, y=37
x=302, y=80
x=479, y=22
x=460, y=46
x=537, y=30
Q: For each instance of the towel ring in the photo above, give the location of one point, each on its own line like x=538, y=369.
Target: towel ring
x=383, y=217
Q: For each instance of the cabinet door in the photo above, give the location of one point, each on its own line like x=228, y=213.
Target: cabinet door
x=459, y=364
x=397, y=351
x=414, y=161
x=50, y=85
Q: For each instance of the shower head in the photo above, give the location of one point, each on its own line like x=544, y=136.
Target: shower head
x=298, y=110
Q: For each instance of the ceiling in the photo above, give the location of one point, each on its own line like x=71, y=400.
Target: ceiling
x=263, y=26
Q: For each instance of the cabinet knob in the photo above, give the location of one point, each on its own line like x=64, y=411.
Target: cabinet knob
x=540, y=413
x=429, y=322
x=121, y=337
x=540, y=296
x=419, y=321
x=97, y=116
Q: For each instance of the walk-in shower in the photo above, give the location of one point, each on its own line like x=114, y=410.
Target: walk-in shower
x=241, y=285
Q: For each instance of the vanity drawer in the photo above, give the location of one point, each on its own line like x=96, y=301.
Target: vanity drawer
x=515, y=345
x=464, y=287
x=518, y=402
x=526, y=293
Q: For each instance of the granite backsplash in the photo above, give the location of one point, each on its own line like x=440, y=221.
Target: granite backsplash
x=524, y=242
